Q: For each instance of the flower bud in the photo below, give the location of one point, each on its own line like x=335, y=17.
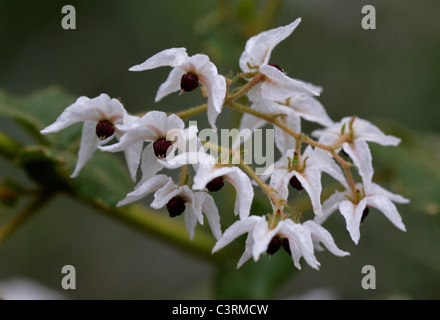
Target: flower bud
x=274, y=245
x=175, y=207
x=215, y=184
x=104, y=129
x=160, y=147
x=294, y=182
x=189, y=82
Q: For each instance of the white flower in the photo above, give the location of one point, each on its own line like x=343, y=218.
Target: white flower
x=159, y=129
x=255, y=58
x=355, y=133
x=186, y=74
x=353, y=211
x=263, y=238
x=306, y=175
x=178, y=199
x=101, y=116
x=210, y=177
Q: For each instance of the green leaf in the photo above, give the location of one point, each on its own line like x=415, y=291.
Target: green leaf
x=38, y=110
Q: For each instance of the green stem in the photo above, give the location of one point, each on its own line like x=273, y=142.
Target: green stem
x=24, y=215
x=192, y=111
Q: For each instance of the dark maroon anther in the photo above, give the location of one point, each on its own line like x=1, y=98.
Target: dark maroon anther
x=189, y=82
x=276, y=66
x=175, y=207
x=274, y=245
x=294, y=182
x=104, y=129
x=286, y=246
x=215, y=184
x=365, y=213
x=160, y=147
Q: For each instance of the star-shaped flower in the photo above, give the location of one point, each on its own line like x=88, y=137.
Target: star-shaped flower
x=255, y=58
x=101, y=117
x=353, y=134
x=297, y=239
x=187, y=73
x=210, y=176
x=304, y=172
x=158, y=129
x=353, y=210
x=178, y=199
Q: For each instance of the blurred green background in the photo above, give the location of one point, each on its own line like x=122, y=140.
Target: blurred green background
x=389, y=75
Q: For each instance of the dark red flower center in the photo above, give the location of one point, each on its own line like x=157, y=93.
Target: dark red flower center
x=294, y=182
x=276, y=66
x=189, y=82
x=104, y=129
x=274, y=245
x=365, y=213
x=215, y=184
x=175, y=207
x=160, y=147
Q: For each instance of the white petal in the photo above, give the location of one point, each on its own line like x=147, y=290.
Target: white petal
x=279, y=181
x=311, y=182
x=164, y=194
x=278, y=86
x=244, y=189
x=365, y=130
x=322, y=235
x=89, y=143
x=133, y=158
x=169, y=57
x=326, y=163
x=76, y=112
x=235, y=230
x=247, y=254
x=360, y=153
x=149, y=186
x=211, y=212
x=375, y=189
x=172, y=84
x=353, y=215
x=385, y=205
x=248, y=124
x=300, y=240
x=283, y=140
x=259, y=48
x=149, y=163
x=108, y=109
x=310, y=109
x=262, y=237
x=330, y=205
x=190, y=221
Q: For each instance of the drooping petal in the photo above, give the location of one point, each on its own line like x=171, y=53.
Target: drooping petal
x=330, y=205
x=149, y=163
x=320, y=234
x=190, y=221
x=133, y=158
x=365, y=130
x=278, y=86
x=164, y=194
x=235, y=230
x=149, y=186
x=107, y=108
x=262, y=236
x=89, y=143
x=360, y=153
x=172, y=84
x=259, y=48
x=384, y=204
x=353, y=215
x=247, y=254
x=210, y=210
x=169, y=57
x=76, y=112
x=300, y=240
x=279, y=181
x=375, y=189
x=283, y=140
x=311, y=182
x=310, y=109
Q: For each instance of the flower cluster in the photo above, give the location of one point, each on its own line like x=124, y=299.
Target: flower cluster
x=156, y=141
